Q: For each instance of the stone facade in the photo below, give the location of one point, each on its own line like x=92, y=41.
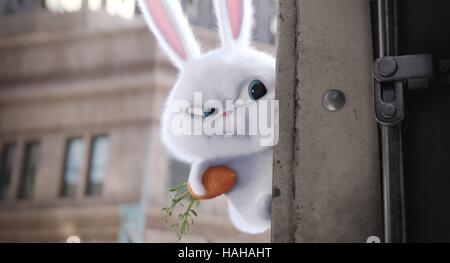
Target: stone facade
x=81, y=75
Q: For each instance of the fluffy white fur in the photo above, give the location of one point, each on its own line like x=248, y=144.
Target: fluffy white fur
x=180, y=24
x=220, y=75
x=223, y=21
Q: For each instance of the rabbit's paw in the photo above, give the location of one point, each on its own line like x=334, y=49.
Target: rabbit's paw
x=196, y=179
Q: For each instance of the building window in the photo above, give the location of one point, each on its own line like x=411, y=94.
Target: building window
x=73, y=167
x=6, y=164
x=98, y=164
x=179, y=172
x=29, y=169
x=12, y=7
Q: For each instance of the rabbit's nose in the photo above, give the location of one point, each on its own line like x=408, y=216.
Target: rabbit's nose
x=227, y=113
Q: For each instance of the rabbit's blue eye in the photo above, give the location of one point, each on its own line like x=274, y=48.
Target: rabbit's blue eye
x=209, y=112
x=257, y=90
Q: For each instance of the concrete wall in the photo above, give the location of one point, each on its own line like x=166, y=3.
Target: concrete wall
x=326, y=177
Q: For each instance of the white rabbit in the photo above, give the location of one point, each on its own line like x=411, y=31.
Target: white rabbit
x=234, y=72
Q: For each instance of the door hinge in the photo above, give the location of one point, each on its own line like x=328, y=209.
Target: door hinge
x=397, y=73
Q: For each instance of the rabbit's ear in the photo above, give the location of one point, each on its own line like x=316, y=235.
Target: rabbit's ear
x=170, y=26
x=235, y=19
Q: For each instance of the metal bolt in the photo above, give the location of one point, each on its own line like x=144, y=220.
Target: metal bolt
x=387, y=66
x=334, y=100
x=389, y=111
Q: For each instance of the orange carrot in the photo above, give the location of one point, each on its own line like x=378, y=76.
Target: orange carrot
x=217, y=181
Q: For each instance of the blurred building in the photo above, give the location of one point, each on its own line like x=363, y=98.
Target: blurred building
x=82, y=84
